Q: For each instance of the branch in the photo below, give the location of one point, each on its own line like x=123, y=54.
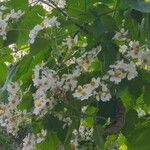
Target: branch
x=54, y=5
x=117, y=124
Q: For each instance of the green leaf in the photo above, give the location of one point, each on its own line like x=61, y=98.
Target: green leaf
x=27, y=102
x=51, y=142
x=146, y=96
x=97, y=135
x=109, y=23
x=50, y=123
x=131, y=120
x=140, y=5
x=31, y=18
x=140, y=139
x=126, y=98
x=17, y=4
x=145, y=75
x=109, y=52
x=3, y=73
x=79, y=7
x=135, y=88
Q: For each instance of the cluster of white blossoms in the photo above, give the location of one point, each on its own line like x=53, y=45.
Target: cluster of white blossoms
x=121, y=35
x=43, y=83
x=132, y=50
x=82, y=134
x=87, y=58
x=10, y=117
x=60, y=3
x=16, y=53
x=66, y=120
x=31, y=140
x=6, y=18
x=120, y=71
x=49, y=84
x=71, y=41
x=46, y=23
x=94, y=88
x=141, y=112
x=28, y=142
x=85, y=133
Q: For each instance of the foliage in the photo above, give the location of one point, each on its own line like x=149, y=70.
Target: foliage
x=75, y=74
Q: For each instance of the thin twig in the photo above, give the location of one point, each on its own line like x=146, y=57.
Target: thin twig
x=51, y=4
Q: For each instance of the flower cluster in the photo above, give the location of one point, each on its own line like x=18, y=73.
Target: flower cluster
x=6, y=18
x=83, y=134
x=71, y=41
x=132, y=50
x=59, y=3
x=121, y=70
x=66, y=120
x=10, y=117
x=47, y=23
x=87, y=58
x=49, y=84
x=31, y=140
x=16, y=53
x=43, y=84
x=94, y=88
x=121, y=35
x=141, y=112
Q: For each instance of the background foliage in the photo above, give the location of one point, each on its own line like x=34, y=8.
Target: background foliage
x=98, y=24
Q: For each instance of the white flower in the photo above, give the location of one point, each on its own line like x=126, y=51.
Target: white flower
x=36, y=77
x=2, y=8
x=67, y=121
x=34, y=32
x=13, y=101
x=146, y=58
x=135, y=51
x=87, y=58
x=60, y=3
x=13, y=88
x=16, y=15
x=5, y=19
x=121, y=70
x=116, y=76
x=71, y=41
x=51, y=22
x=123, y=49
x=106, y=96
x=2, y=109
x=45, y=24
x=134, y=45
x=103, y=94
x=3, y=26
x=141, y=112
x=135, y=54
x=121, y=35
x=105, y=77
x=39, y=105
x=41, y=136
x=83, y=93
x=94, y=83
x=85, y=132
x=71, y=80
x=131, y=71
x=29, y=142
